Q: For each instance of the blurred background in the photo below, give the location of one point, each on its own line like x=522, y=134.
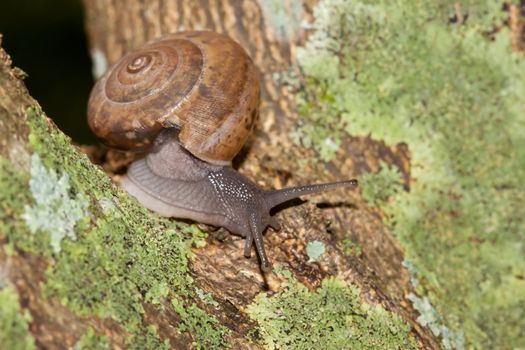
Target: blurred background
x=46, y=39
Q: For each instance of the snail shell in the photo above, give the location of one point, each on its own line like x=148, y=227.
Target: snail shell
x=202, y=84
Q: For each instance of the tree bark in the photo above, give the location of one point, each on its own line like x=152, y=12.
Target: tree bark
x=219, y=268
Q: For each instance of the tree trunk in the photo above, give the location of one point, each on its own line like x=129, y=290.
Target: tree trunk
x=223, y=282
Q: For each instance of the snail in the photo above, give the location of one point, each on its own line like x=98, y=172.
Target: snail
x=189, y=101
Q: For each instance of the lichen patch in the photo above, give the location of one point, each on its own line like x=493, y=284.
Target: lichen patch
x=55, y=211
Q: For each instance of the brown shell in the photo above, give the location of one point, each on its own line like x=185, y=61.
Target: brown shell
x=202, y=83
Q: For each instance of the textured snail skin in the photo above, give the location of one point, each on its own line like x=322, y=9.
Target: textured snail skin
x=189, y=101
x=174, y=183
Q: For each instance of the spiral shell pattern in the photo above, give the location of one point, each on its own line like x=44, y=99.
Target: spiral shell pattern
x=202, y=83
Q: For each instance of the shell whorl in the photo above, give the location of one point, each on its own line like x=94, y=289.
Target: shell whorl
x=201, y=83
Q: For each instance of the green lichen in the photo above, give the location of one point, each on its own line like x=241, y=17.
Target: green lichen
x=205, y=330
x=332, y=317
x=148, y=340
x=441, y=77
x=122, y=258
x=92, y=341
x=350, y=247
x=206, y=297
x=54, y=211
x=14, y=324
x=13, y=195
x=113, y=269
x=314, y=250
x=378, y=187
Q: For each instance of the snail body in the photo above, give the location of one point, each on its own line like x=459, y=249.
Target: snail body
x=189, y=101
